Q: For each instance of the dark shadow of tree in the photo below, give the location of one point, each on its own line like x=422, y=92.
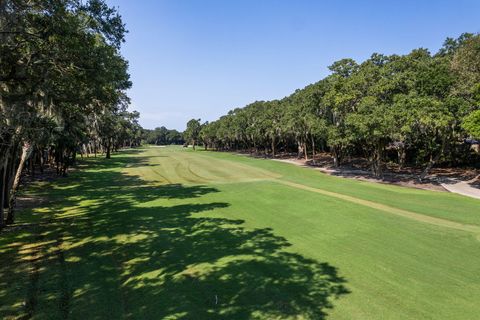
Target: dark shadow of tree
x=120, y=257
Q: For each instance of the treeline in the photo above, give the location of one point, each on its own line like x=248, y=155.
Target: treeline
x=62, y=88
x=416, y=109
x=163, y=136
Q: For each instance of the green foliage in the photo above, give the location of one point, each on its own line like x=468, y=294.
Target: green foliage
x=163, y=136
x=413, y=103
x=466, y=65
x=192, y=133
x=471, y=124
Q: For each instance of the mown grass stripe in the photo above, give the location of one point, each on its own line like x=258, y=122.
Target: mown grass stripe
x=400, y=212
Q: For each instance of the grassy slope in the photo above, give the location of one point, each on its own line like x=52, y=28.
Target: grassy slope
x=168, y=233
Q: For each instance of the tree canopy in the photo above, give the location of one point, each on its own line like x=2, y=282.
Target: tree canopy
x=62, y=87
x=413, y=109
x=192, y=133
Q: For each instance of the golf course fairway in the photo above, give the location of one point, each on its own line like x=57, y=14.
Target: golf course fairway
x=172, y=233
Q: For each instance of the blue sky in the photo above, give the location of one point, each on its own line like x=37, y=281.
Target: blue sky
x=199, y=59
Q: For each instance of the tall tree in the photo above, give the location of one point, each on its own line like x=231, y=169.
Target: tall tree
x=193, y=131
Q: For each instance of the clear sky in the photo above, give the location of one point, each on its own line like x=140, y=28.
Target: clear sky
x=199, y=59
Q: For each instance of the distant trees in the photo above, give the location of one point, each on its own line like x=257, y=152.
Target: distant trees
x=163, y=136
x=62, y=88
x=412, y=109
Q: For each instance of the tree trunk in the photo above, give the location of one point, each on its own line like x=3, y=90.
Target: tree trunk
x=336, y=157
x=26, y=150
x=430, y=165
x=299, y=150
x=31, y=163
x=402, y=156
x=10, y=173
x=3, y=188
x=40, y=159
x=376, y=162
x=108, y=149
x=313, y=150
x=432, y=162
x=273, y=147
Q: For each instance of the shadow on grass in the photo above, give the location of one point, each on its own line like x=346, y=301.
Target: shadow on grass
x=112, y=251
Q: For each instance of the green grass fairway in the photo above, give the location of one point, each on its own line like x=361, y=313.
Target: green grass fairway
x=168, y=233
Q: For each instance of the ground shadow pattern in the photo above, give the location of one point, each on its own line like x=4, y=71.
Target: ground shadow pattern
x=113, y=258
